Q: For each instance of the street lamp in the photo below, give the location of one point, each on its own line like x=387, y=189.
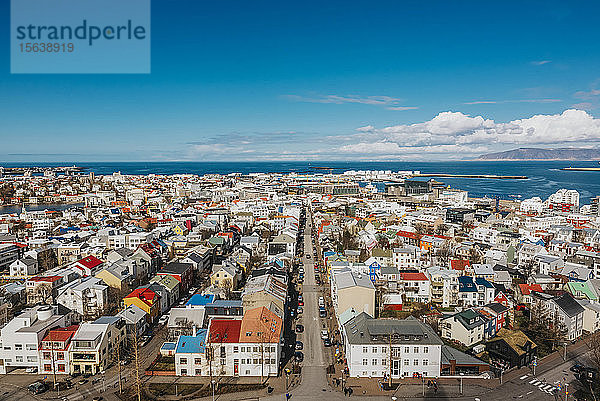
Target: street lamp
x=461, y=382
x=212, y=382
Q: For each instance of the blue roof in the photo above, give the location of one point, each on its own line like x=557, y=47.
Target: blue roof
x=200, y=300
x=483, y=282
x=466, y=284
x=191, y=344
x=168, y=346
x=226, y=303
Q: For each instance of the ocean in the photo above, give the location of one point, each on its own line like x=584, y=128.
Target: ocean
x=544, y=177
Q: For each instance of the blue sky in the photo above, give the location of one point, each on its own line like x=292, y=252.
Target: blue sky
x=306, y=81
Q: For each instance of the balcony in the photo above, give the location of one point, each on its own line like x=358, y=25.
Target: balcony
x=79, y=357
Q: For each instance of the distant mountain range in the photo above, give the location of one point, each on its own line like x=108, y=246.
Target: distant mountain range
x=544, y=154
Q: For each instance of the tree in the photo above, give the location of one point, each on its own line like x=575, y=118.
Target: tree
x=444, y=253
x=593, y=343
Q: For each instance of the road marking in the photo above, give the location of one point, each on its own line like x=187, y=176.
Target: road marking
x=534, y=382
x=529, y=392
x=524, y=377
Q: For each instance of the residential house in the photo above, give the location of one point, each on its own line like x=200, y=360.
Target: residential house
x=350, y=290
x=511, y=347
x=55, y=350
x=147, y=300
x=467, y=327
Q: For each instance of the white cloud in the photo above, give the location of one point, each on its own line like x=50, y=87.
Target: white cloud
x=455, y=132
x=391, y=103
x=541, y=62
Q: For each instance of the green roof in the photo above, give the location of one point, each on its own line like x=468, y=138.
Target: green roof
x=581, y=290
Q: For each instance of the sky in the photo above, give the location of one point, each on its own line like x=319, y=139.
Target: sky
x=359, y=80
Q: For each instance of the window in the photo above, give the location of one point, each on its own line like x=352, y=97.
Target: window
x=32, y=359
x=60, y=356
x=374, y=350
x=254, y=349
x=18, y=347
x=365, y=350
x=406, y=350
x=183, y=372
x=18, y=358
x=416, y=362
x=47, y=367
x=425, y=350
x=47, y=355
x=60, y=367
x=255, y=361
x=374, y=362
x=243, y=349
x=406, y=362
x=182, y=360
x=198, y=372
x=384, y=361
x=365, y=361
x=384, y=349
x=235, y=349
x=416, y=349
x=425, y=362
x=31, y=347
x=197, y=361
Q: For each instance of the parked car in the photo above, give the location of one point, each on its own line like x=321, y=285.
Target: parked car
x=163, y=320
x=300, y=303
x=300, y=310
x=299, y=345
x=32, y=369
x=299, y=328
x=299, y=356
x=300, y=298
x=324, y=334
x=327, y=342
x=577, y=368
x=37, y=387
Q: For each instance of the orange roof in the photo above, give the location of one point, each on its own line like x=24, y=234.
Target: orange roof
x=260, y=325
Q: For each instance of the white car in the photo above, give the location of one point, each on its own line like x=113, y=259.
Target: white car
x=324, y=334
x=163, y=320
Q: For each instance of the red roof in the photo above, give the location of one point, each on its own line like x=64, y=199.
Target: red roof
x=144, y=294
x=526, y=289
x=90, y=262
x=224, y=331
x=413, y=277
x=408, y=234
x=459, y=264
x=49, y=279
x=61, y=334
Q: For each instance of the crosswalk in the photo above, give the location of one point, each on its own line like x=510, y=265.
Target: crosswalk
x=545, y=387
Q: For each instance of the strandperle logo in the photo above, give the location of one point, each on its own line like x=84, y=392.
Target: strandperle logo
x=80, y=36
x=85, y=31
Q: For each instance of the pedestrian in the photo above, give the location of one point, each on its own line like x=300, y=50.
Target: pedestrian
x=350, y=391
x=345, y=391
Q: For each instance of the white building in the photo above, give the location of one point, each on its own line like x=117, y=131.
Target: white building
x=87, y=296
x=20, y=338
x=415, y=348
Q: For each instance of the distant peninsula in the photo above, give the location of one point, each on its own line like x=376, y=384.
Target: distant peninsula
x=574, y=154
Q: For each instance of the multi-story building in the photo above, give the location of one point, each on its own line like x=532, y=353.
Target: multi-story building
x=415, y=348
x=444, y=286
x=93, y=345
x=54, y=351
x=20, y=338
